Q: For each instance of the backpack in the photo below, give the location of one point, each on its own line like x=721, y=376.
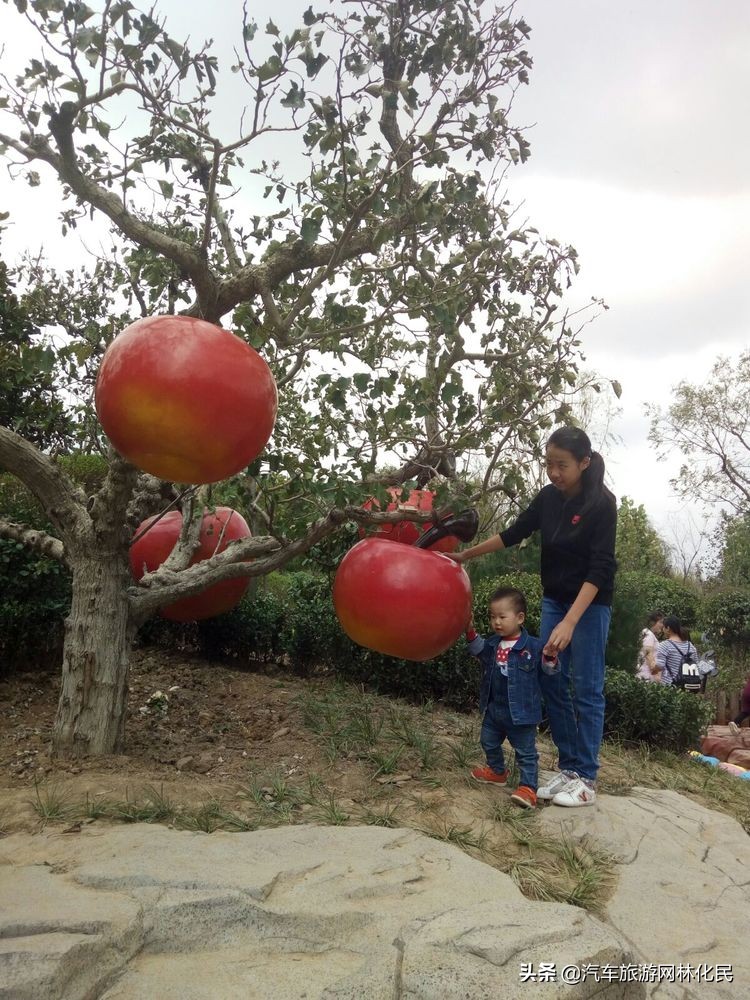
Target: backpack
x=688, y=676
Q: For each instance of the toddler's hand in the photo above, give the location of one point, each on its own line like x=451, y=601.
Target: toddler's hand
x=550, y=663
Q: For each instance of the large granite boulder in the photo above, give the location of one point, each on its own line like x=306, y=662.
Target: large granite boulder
x=141, y=912
x=683, y=889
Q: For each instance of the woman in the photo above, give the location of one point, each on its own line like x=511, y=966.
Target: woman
x=647, y=667
x=674, y=648
x=577, y=518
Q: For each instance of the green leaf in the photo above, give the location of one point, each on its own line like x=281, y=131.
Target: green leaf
x=271, y=28
x=82, y=13
x=361, y=380
x=310, y=230
x=271, y=68
x=313, y=64
x=295, y=97
x=167, y=189
x=309, y=17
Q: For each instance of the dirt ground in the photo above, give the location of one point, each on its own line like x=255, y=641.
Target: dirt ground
x=218, y=726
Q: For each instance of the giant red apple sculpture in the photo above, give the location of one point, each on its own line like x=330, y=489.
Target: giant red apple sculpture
x=400, y=600
x=408, y=531
x=218, y=529
x=184, y=399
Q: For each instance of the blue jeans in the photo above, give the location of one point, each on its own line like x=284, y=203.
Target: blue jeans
x=575, y=696
x=497, y=726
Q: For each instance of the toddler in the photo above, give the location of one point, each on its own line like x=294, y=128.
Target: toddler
x=510, y=698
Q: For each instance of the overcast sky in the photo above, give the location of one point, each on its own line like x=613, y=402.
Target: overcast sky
x=640, y=159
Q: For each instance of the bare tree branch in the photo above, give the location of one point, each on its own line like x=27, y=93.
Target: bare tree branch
x=37, y=541
x=63, y=502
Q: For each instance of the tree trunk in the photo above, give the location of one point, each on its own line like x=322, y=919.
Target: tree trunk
x=98, y=639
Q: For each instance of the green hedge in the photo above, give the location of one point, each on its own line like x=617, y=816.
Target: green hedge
x=35, y=600
x=725, y=617
x=639, y=712
x=35, y=591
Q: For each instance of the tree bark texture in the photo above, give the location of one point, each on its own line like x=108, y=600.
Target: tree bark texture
x=98, y=638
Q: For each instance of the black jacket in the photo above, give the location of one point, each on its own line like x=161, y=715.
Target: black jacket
x=576, y=548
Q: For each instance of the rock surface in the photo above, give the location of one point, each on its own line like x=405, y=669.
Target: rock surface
x=130, y=913
x=683, y=891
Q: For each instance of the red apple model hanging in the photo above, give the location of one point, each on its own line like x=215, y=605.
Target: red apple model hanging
x=218, y=529
x=408, y=532
x=401, y=600
x=184, y=399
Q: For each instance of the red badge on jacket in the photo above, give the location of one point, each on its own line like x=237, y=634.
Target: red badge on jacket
x=575, y=519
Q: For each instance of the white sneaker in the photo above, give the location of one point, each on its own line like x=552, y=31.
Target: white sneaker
x=576, y=793
x=556, y=784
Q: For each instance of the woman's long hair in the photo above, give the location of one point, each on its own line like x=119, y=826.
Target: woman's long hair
x=578, y=443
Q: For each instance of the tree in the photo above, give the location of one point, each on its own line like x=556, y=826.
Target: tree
x=408, y=318
x=28, y=399
x=639, y=547
x=709, y=423
x=687, y=547
x=733, y=542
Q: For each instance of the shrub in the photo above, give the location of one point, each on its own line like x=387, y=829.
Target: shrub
x=640, y=712
x=35, y=591
x=725, y=617
x=35, y=599
x=248, y=631
x=530, y=584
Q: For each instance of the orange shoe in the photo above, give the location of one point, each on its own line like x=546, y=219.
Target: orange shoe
x=524, y=797
x=487, y=774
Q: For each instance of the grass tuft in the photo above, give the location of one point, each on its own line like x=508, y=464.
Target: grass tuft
x=579, y=874
x=51, y=804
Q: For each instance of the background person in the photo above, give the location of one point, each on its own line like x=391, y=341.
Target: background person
x=673, y=649
x=648, y=670
x=577, y=518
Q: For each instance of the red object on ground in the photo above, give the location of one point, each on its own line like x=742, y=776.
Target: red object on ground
x=720, y=741
x=150, y=551
x=184, y=399
x=408, y=532
x=401, y=601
